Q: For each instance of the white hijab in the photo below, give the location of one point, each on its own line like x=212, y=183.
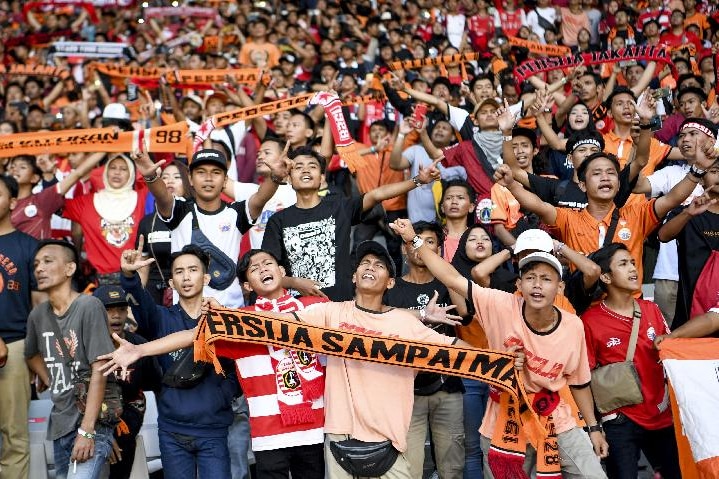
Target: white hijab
x=116, y=204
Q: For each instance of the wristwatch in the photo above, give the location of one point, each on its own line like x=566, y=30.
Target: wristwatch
x=596, y=428
x=417, y=242
x=417, y=183
x=697, y=172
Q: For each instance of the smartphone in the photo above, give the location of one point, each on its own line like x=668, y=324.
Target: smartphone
x=131, y=92
x=419, y=113
x=661, y=93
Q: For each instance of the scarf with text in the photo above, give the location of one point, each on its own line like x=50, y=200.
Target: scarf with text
x=540, y=48
x=299, y=375
x=228, y=118
x=436, y=61
x=91, y=50
x=165, y=139
x=222, y=331
x=198, y=79
x=184, y=12
x=540, y=65
x=347, y=147
x=53, y=5
x=509, y=440
x=35, y=70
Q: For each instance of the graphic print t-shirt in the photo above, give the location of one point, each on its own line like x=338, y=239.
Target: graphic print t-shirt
x=86, y=336
x=314, y=243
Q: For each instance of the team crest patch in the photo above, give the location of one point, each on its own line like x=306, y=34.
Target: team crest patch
x=225, y=227
x=651, y=333
x=117, y=234
x=624, y=233
x=484, y=211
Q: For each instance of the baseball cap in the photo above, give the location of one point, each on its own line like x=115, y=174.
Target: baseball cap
x=373, y=247
x=534, y=240
x=194, y=99
x=208, y=156
x=111, y=295
x=288, y=57
x=116, y=114
x=542, y=257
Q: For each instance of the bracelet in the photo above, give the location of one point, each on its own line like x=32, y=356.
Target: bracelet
x=697, y=172
x=559, y=247
x=417, y=242
x=85, y=434
x=401, y=135
x=422, y=315
x=373, y=149
x=417, y=183
x=596, y=428
x=151, y=179
x=507, y=137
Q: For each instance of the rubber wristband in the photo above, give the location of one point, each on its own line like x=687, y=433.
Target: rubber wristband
x=151, y=179
x=595, y=428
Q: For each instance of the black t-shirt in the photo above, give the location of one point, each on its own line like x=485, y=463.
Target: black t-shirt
x=17, y=281
x=314, y=243
x=416, y=296
x=695, y=244
x=567, y=194
x=157, y=245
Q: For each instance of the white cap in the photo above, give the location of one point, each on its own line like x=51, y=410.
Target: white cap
x=542, y=257
x=194, y=99
x=534, y=239
x=115, y=111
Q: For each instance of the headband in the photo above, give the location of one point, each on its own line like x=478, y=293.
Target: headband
x=699, y=127
x=588, y=141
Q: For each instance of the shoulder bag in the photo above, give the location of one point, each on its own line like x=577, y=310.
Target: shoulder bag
x=222, y=269
x=617, y=385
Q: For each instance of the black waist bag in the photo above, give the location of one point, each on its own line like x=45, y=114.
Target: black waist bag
x=222, y=269
x=185, y=373
x=364, y=459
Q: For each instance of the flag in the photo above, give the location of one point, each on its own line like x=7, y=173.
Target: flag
x=692, y=367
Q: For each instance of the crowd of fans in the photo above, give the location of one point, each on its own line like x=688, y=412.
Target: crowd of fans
x=518, y=215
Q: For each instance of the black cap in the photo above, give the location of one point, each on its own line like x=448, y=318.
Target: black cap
x=111, y=295
x=208, y=156
x=373, y=247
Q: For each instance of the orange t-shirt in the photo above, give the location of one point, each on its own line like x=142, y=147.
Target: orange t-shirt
x=547, y=365
x=374, y=171
x=623, y=147
x=505, y=207
x=700, y=20
x=273, y=53
x=370, y=401
x=584, y=233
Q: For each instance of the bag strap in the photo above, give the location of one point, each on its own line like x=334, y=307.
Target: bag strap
x=195, y=224
x=152, y=249
x=612, y=227
x=635, y=332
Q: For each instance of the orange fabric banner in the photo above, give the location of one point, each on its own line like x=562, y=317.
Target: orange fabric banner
x=35, y=70
x=166, y=139
x=540, y=48
x=443, y=60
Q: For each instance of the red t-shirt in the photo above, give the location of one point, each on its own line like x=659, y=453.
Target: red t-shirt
x=607, y=334
x=105, y=242
x=32, y=214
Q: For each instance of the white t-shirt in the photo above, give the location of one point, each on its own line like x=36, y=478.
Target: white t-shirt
x=662, y=181
x=455, y=29
x=548, y=13
x=284, y=196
